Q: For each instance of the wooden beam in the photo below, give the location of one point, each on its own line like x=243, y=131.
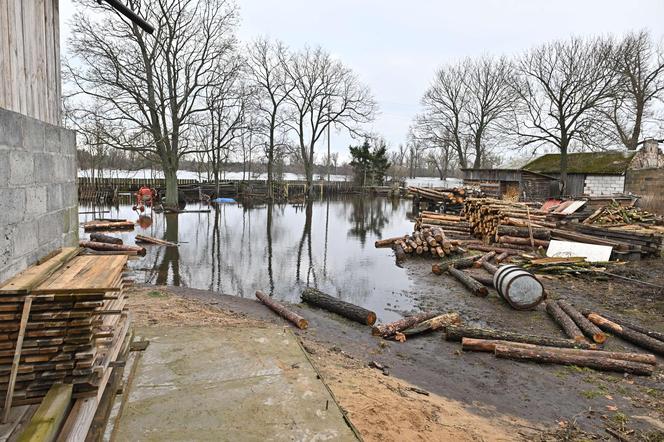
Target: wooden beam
x=17, y=357
x=46, y=422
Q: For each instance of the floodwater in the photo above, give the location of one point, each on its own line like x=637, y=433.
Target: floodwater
x=280, y=249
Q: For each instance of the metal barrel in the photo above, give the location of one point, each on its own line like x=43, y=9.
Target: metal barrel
x=518, y=287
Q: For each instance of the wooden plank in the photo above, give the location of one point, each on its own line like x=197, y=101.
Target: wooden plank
x=25, y=281
x=17, y=357
x=50, y=415
x=86, y=274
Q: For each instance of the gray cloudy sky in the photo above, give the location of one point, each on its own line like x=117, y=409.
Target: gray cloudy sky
x=395, y=46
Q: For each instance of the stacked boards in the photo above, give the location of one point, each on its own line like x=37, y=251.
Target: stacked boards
x=76, y=324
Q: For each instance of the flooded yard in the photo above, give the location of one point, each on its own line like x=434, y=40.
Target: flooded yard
x=278, y=248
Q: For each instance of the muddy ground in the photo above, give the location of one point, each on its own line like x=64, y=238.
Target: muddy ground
x=473, y=396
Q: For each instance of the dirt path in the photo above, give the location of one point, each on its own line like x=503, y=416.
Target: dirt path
x=383, y=408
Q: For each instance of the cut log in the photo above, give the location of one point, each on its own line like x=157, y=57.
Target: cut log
x=387, y=330
x=399, y=252
x=629, y=324
x=544, y=234
x=100, y=237
x=502, y=257
x=590, y=329
x=523, y=241
x=598, y=363
x=475, y=287
x=350, y=311
x=487, y=280
x=489, y=345
x=565, y=322
x=280, y=309
x=433, y=324
x=489, y=267
x=107, y=225
x=112, y=247
x=456, y=333
x=484, y=258
x=628, y=334
x=152, y=240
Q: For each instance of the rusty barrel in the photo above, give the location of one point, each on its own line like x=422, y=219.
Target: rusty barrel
x=518, y=287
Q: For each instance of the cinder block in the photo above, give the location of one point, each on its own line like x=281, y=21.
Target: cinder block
x=12, y=268
x=11, y=130
x=24, y=239
x=69, y=194
x=36, y=200
x=4, y=169
x=70, y=239
x=33, y=134
x=21, y=168
x=53, y=141
x=68, y=142
x=50, y=227
x=44, y=165
x=12, y=205
x=54, y=198
x=73, y=218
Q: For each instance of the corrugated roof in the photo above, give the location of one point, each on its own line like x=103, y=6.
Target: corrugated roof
x=602, y=163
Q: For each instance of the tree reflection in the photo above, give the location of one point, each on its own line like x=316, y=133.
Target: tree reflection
x=268, y=229
x=171, y=258
x=366, y=217
x=306, y=238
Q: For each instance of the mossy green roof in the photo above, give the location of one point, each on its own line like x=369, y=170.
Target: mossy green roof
x=609, y=163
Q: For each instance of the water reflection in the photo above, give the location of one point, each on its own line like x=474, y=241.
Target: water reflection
x=280, y=248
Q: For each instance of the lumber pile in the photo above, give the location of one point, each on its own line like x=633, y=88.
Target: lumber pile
x=647, y=241
x=454, y=226
x=431, y=241
x=66, y=325
x=614, y=213
x=453, y=196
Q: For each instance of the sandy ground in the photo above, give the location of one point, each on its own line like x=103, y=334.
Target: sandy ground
x=380, y=406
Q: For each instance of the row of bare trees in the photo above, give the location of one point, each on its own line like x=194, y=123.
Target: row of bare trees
x=193, y=91
x=594, y=93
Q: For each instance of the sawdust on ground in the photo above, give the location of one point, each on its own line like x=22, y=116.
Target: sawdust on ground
x=382, y=408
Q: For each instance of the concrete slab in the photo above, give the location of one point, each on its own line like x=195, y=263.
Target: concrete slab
x=228, y=384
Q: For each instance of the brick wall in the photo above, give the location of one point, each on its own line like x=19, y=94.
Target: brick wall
x=649, y=184
x=38, y=197
x=596, y=185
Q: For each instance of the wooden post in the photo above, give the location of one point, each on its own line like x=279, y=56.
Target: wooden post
x=27, y=304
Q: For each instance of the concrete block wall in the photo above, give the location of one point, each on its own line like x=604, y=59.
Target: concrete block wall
x=596, y=185
x=38, y=194
x=649, y=185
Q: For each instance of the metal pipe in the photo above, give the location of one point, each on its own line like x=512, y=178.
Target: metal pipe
x=131, y=15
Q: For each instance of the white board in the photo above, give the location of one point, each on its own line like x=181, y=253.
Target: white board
x=566, y=249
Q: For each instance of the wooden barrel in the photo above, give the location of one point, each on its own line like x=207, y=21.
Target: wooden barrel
x=518, y=287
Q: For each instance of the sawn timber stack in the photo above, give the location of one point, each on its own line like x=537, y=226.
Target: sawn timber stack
x=76, y=323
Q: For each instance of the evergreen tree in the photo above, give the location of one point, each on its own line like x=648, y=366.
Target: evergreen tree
x=369, y=165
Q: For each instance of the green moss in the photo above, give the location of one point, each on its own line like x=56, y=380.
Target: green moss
x=593, y=394
x=156, y=294
x=614, y=162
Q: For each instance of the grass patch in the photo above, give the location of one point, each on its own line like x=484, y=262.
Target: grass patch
x=593, y=394
x=156, y=294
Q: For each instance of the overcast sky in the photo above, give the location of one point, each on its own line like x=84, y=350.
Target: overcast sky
x=396, y=46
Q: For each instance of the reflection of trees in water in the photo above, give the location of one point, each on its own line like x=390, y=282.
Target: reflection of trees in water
x=367, y=216
x=171, y=256
x=306, y=237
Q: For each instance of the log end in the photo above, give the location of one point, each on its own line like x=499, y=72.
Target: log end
x=375, y=331
x=371, y=320
x=302, y=324
x=437, y=269
x=483, y=292
x=599, y=338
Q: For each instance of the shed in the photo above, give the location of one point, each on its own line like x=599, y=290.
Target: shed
x=517, y=184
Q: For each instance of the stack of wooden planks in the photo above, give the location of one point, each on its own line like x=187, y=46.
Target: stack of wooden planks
x=625, y=239
x=62, y=321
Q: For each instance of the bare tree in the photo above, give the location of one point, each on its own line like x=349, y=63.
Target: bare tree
x=490, y=101
x=268, y=76
x=153, y=84
x=640, y=68
x=325, y=93
x=561, y=85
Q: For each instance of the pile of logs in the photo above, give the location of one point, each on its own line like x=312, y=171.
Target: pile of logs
x=453, y=196
x=626, y=239
x=453, y=225
x=615, y=213
x=426, y=241
x=513, y=224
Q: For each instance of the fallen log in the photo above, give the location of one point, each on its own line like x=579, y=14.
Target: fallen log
x=551, y=357
x=118, y=248
x=523, y=241
x=399, y=252
x=590, y=329
x=100, y=237
x=487, y=280
x=538, y=233
x=489, y=267
x=489, y=345
x=636, y=327
x=640, y=339
x=282, y=311
x=484, y=258
x=350, y=311
x=475, y=287
x=433, y=324
x=386, y=242
x=152, y=240
x=502, y=257
x=120, y=225
x=387, y=330
x=565, y=322
x=456, y=333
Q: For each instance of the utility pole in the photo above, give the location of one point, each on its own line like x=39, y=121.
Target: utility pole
x=329, y=159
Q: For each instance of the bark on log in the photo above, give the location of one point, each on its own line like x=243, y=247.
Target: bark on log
x=485, y=258
x=456, y=333
x=544, y=234
x=502, y=257
x=522, y=241
x=629, y=324
x=433, y=324
x=387, y=330
x=282, y=311
x=565, y=322
x=386, y=242
x=597, y=363
x=101, y=246
x=590, y=329
x=628, y=334
x=100, y=237
x=335, y=305
x=399, y=252
x=489, y=345
x=152, y=240
x=473, y=285
x=124, y=225
x=489, y=267
x=487, y=280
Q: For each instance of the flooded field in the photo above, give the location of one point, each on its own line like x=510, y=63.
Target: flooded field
x=279, y=249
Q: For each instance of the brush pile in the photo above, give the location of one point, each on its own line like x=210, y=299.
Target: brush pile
x=614, y=213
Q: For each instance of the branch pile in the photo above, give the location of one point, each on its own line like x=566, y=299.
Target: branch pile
x=614, y=213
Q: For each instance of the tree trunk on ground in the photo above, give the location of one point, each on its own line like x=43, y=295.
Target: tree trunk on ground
x=585, y=325
x=106, y=247
x=597, y=363
x=475, y=287
x=628, y=334
x=347, y=310
x=456, y=333
x=636, y=327
x=565, y=322
x=281, y=310
x=433, y=324
x=100, y=237
x=387, y=330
